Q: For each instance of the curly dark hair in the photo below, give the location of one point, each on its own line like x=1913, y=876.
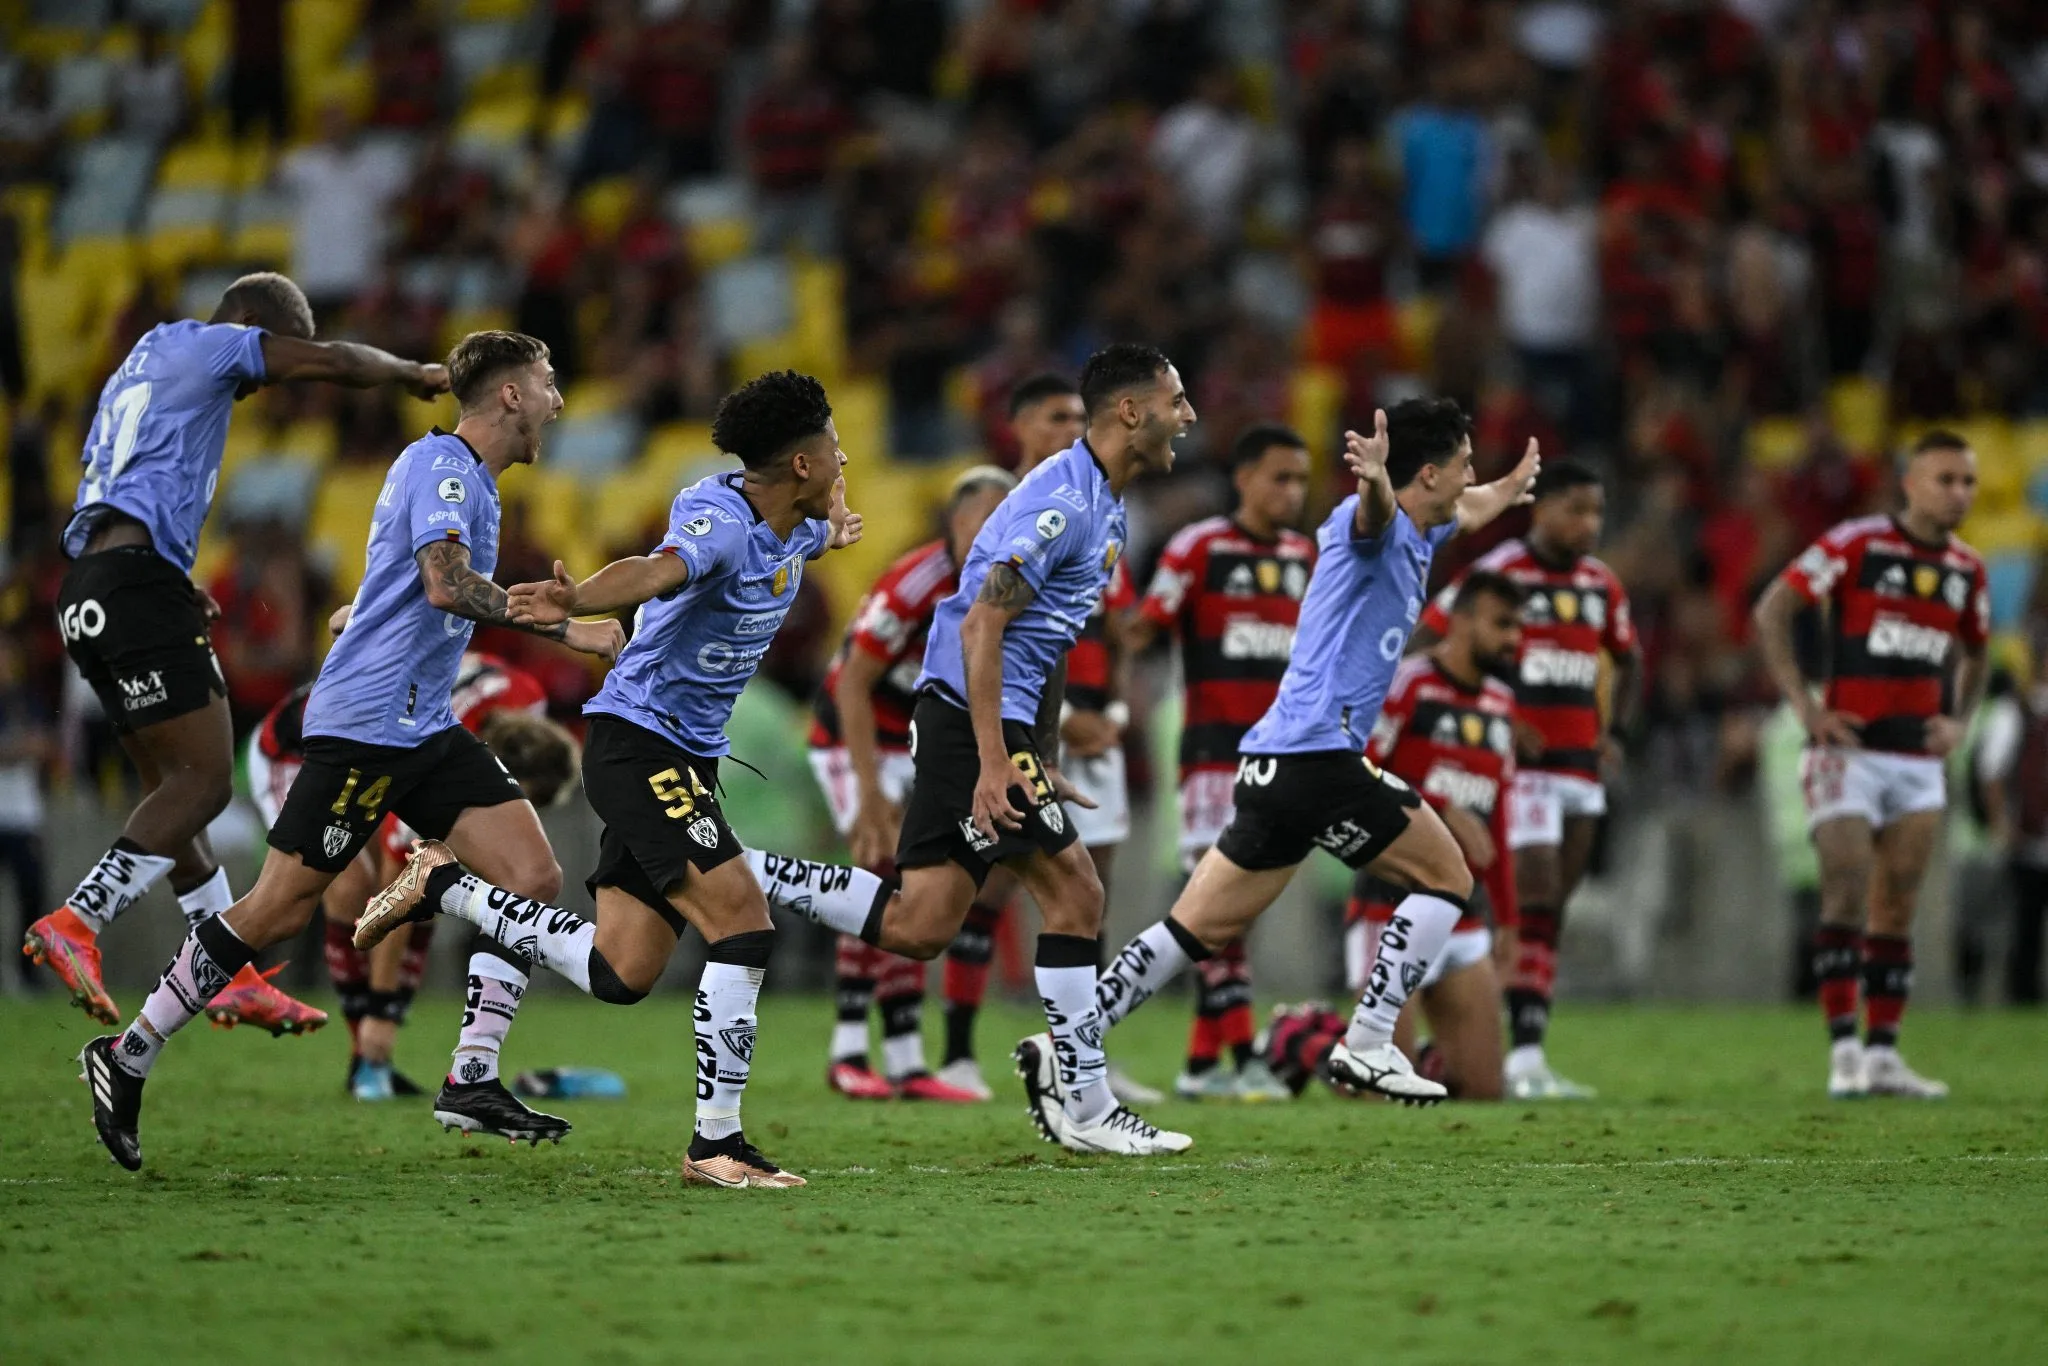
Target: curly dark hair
x=479, y=361
x=1423, y=431
x=1115, y=368
x=1562, y=477
x=767, y=415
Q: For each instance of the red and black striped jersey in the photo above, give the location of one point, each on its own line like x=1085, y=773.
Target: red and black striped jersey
x=1570, y=616
x=1088, y=662
x=1896, y=607
x=1233, y=602
x=1456, y=746
x=890, y=624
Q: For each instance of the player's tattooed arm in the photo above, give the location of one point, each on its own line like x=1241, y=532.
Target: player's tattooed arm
x=454, y=586
x=1004, y=593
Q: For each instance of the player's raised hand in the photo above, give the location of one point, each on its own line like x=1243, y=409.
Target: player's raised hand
x=544, y=603
x=430, y=382
x=846, y=524
x=1366, y=456
x=601, y=638
x=1522, y=478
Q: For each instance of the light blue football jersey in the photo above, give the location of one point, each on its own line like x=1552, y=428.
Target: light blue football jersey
x=694, y=650
x=155, y=445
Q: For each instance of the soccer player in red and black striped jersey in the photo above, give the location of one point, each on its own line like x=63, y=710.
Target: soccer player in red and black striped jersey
x=1574, y=613
x=860, y=753
x=1230, y=589
x=1908, y=623
x=1448, y=729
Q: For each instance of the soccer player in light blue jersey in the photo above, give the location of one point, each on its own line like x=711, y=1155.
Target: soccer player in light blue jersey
x=984, y=739
x=379, y=732
x=709, y=601
x=136, y=625
x=1303, y=781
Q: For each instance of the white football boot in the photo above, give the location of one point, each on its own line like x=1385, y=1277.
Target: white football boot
x=1885, y=1074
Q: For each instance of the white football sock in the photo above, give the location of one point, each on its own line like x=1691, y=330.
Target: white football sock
x=208, y=959
x=117, y=882
x=1065, y=973
x=529, y=929
x=849, y=1040
x=211, y=897
x=490, y=1001
x=1420, y=927
x=726, y=1026
x=1146, y=964
x=832, y=894
x=903, y=1056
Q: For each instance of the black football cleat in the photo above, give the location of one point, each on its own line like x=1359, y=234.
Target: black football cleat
x=486, y=1107
x=116, y=1100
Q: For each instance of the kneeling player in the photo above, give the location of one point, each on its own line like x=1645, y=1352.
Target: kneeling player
x=1304, y=782
x=710, y=599
x=1900, y=593
x=1448, y=730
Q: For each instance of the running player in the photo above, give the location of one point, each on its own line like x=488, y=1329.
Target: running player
x=1230, y=590
x=1899, y=594
x=1575, y=611
x=136, y=625
x=709, y=601
x=860, y=752
x=1447, y=729
x=986, y=790
x=1304, y=782
x=1047, y=417
x=379, y=733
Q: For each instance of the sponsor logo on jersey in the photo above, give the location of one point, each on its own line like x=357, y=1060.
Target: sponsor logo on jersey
x=1344, y=839
x=1500, y=735
x=1595, y=607
x=453, y=491
x=1926, y=578
x=1050, y=523
x=720, y=658
x=1545, y=666
x=1566, y=604
x=1446, y=730
x=1268, y=572
x=976, y=841
x=1892, y=583
x=1253, y=639
x=1295, y=578
x=697, y=526
x=1469, y=791
x=1239, y=584
x=1071, y=496
x=1896, y=638
x=758, y=624
x=143, y=690
x=1956, y=591
x=1472, y=728
x=780, y=583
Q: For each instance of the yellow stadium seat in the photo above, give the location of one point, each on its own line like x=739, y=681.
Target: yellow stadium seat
x=49, y=43
x=317, y=31
x=204, y=47
x=497, y=123
x=494, y=9
x=30, y=205
x=759, y=355
x=1314, y=401
x=675, y=446
x=818, y=290
x=169, y=252
x=627, y=509
x=268, y=244
x=1415, y=324
x=603, y=204
x=1859, y=410
x=340, y=526
x=1775, y=443
x=1995, y=533
x=2030, y=438
x=255, y=159
x=715, y=241
x=348, y=86
x=199, y=165
x=594, y=397
x=514, y=78
x=456, y=326
x=565, y=121
x=554, y=506
x=860, y=410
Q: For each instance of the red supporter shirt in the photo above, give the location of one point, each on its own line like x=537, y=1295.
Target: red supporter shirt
x=1456, y=746
x=1569, y=617
x=1896, y=607
x=1233, y=602
x=890, y=624
x=1088, y=662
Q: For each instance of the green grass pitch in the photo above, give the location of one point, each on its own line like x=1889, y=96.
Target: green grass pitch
x=1712, y=1206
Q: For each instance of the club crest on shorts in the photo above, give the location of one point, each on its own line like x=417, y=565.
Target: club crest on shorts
x=704, y=830
x=1054, y=818
x=333, y=840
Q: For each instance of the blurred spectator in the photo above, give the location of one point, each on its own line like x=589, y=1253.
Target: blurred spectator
x=257, y=93
x=30, y=510
x=270, y=603
x=1352, y=241
x=1020, y=352
x=547, y=244
x=151, y=88
x=792, y=133
x=26, y=747
x=344, y=186
x=1543, y=250
x=1209, y=147
x=1445, y=153
x=31, y=129
x=407, y=71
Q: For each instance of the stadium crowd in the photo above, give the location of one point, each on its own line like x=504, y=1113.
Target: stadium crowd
x=1729, y=252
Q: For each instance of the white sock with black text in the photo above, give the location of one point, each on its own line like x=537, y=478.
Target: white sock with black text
x=116, y=882
x=849, y=900
x=204, y=964
x=727, y=993
x=1146, y=964
x=531, y=930
x=1065, y=972
x=490, y=1001
x=1417, y=932
x=211, y=897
